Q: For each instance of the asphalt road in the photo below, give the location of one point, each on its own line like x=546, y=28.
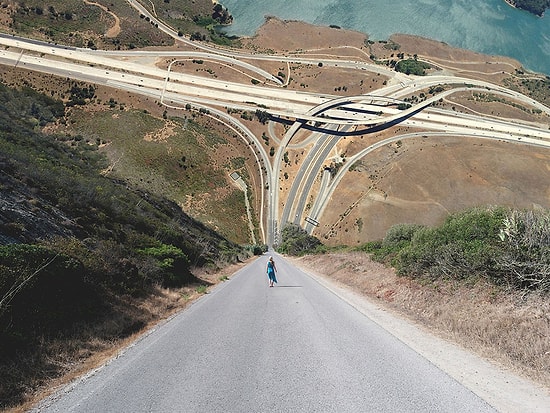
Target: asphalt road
x=245, y=347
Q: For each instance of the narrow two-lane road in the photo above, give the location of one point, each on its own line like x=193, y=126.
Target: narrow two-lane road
x=246, y=347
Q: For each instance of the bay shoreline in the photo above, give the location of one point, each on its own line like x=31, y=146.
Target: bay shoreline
x=527, y=62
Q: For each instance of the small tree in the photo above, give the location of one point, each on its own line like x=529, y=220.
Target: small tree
x=262, y=116
x=296, y=241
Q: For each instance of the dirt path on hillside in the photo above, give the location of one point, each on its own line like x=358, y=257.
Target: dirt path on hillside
x=114, y=31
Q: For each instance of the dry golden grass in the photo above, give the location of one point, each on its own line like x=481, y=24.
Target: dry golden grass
x=508, y=327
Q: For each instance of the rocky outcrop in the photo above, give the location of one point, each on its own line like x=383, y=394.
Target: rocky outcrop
x=27, y=218
x=537, y=7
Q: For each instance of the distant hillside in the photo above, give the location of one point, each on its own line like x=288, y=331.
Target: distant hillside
x=112, y=25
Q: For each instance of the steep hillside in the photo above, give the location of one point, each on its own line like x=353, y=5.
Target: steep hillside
x=60, y=179
x=183, y=157
x=80, y=251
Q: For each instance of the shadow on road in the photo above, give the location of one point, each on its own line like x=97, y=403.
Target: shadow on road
x=288, y=286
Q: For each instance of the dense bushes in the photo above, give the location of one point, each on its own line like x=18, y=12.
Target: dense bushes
x=296, y=241
x=508, y=247
x=171, y=262
x=259, y=249
x=412, y=67
x=74, y=237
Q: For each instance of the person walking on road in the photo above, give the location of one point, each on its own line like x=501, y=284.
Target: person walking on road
x=271, y=270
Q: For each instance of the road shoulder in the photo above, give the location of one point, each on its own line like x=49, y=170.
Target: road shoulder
x=501, y=388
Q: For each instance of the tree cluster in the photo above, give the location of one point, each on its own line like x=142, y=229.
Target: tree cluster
x=221, y=14
x=412, y=67
x=296, y=241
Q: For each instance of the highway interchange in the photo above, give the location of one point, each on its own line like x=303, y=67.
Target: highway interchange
x=327, y=118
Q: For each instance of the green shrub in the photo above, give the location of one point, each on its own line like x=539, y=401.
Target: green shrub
x=416, y=256
x=462, y=246
x=172, y=263
x=296, y=241
x=507, y=247
x=400, y=235
x=412, y=67
x=378, y=251
x=259, y=249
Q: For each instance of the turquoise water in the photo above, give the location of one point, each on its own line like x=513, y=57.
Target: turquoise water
x=486, y=26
